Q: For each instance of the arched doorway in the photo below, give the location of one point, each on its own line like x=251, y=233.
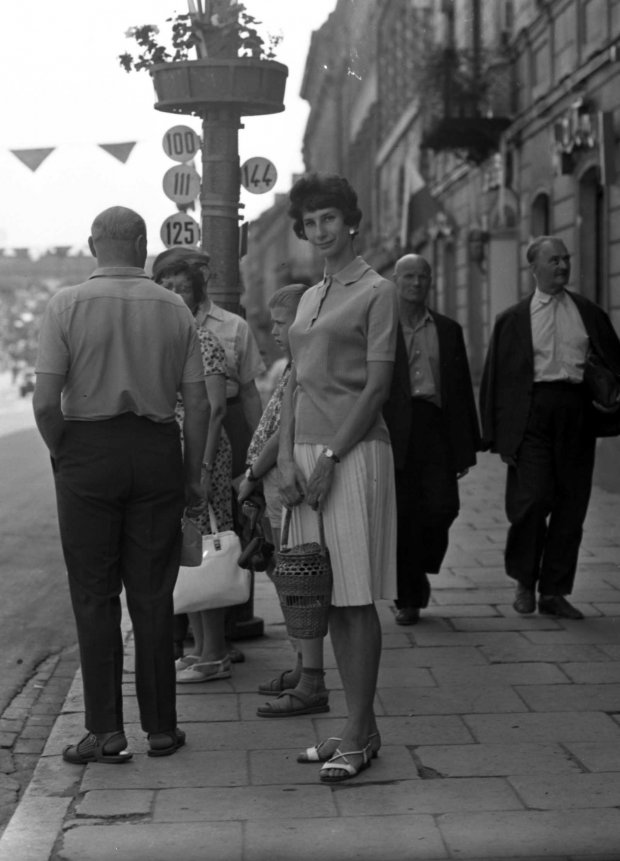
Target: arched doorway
x=591, y=238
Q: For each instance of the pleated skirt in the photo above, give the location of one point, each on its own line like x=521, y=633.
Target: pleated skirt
x=359, y=521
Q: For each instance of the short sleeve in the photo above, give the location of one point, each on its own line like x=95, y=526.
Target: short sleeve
x=251, y=364
x=193, y=371
x=213, y=355
x=53, y=351
x=382, y=323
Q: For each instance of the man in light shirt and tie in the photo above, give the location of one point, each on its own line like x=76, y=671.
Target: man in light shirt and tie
x=538, y=415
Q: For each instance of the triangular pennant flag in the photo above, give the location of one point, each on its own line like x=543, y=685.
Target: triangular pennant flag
x=32, y=158
x=121, y=151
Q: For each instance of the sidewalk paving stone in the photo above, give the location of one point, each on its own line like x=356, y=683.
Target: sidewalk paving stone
x=595, y=755
x=597, y=673
x=564, y=654
x=535, y=673
x=556, y=793
x=188, y=841
x=118, y=802
x=573, y=698
x=544, y=726
x=497, y=834
x=368, y=838
x=499, y=759
x=454, y=700
x=244, y=803
x=430, y=796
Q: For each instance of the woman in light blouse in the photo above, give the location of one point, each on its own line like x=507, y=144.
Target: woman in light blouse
x=335, y=453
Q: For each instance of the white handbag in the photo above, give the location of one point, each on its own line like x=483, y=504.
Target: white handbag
x=218, y=581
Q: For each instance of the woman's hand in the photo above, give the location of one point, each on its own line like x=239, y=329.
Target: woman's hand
x=292, y=484
x=320, y=482
x=246, y=489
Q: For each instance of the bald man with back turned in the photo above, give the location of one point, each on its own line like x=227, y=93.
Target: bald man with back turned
x=113, y=353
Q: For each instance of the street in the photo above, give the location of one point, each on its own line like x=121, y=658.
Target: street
x=35, y=617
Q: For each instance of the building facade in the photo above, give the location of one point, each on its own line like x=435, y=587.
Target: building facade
x=468, y=128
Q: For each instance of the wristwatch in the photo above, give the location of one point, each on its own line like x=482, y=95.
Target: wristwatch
x=249, y=474
x=331, y=455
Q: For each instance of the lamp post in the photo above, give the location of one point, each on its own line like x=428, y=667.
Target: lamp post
x=220, y=87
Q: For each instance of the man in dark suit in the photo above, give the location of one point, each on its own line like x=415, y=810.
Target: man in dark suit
x=438, y=414
x=538, y=414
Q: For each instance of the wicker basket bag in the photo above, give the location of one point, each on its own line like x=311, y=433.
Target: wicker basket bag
x=303, y=581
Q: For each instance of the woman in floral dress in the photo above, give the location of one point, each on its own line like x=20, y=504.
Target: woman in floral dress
x=211, y=660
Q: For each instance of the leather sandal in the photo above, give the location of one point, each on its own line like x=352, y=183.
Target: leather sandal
x=308, y=705
x=278, y=685
x=185, y=661
x=107, y=748
x=340, y=763
x=165, y=743
x=204, y=671
x=318, y=754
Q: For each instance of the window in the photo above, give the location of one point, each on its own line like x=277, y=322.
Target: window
x=540, y=224
x=593, y=24
x=565, y=42
x=541, y=69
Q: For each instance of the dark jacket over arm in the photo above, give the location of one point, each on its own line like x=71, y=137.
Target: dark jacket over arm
x=508, y=376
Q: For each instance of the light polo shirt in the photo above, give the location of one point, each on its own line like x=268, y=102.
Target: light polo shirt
x=123, y=344
x=347, y=320
x=423, y=352
x=243, y=359
x=559, y=338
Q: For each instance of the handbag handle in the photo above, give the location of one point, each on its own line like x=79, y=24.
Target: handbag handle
x=287, y=523
x=214, y=528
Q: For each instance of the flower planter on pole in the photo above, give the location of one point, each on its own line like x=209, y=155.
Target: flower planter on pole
x=220, y=91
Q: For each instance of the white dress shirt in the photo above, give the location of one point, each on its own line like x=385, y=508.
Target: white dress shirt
x=559, y=337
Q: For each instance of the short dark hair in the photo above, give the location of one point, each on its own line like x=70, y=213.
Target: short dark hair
x=321, y=191
x=288, y=297
x=193, y=272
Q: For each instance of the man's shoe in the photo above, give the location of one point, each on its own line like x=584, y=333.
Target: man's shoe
x=525, y=600
x=407, y=616
x=557, y=605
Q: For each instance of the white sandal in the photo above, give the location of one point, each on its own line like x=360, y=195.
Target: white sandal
x=186, y=661
x=339, y=762
x=205, y=671
x=313, y=754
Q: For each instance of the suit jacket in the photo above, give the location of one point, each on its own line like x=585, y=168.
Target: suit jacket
x=458, y=403
x=508, y=376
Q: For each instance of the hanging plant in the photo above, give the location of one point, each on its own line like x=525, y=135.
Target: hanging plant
x=210, y=36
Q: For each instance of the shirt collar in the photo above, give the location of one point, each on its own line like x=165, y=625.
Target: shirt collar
x=119, y=272
x=541, y=298
x=208, y=309
x=426, y=319
x=351, y=273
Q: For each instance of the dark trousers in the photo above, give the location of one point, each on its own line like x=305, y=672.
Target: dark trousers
x=548, y=491
x=427, y=500
x=119, y=489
